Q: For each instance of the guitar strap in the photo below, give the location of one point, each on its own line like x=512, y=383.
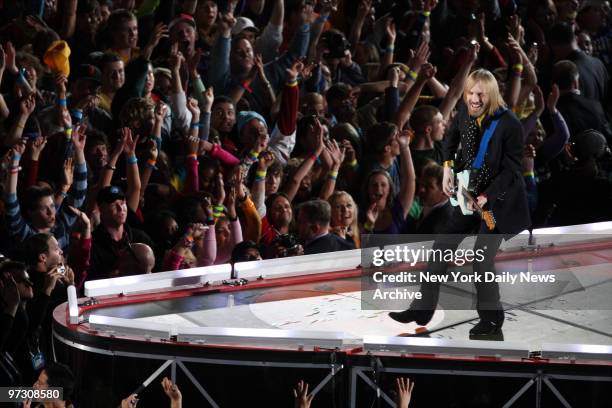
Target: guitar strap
x=484, y=142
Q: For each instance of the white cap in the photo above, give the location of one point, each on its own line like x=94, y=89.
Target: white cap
x=243, y=23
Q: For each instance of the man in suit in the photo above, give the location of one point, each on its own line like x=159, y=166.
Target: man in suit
x=497, y=184
x=313, y=229
x=579, y=113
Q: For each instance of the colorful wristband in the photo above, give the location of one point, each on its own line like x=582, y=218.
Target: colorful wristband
x=368, y=227
x=354, y=163
x=132, y=160
x=61, y=102
x=529, y=174
x=449, y=163
x=413, y=75
x=262, y=173
x=427, y=13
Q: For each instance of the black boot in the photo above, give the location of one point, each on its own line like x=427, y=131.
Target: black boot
x=421, y=317
x=485, y=328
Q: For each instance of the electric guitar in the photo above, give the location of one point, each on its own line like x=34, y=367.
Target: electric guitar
x=463, y=196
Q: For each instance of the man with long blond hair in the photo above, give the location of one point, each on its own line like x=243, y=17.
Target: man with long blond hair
x=487, y=139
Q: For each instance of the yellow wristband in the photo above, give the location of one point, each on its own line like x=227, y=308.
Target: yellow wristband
x=413, y=75
x=427, y=13
x=529, y=174
x=353, y=163
x=449, y=163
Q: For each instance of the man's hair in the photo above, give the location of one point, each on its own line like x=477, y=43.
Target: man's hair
x=489, y=83
x=108, y=58
x=338, y=90
x=222, y=99
x=421, y=117
x=316, y=212
x=379, y=135
x=564, y=74
x=135, y=109
x=433, y=170
x=34, y=246
x=95, y=137
x=60, y=375
x=272, y=197
x=33, y=195
x=10, y=266
x=561, y=34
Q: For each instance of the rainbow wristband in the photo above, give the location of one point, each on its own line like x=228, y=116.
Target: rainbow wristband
x=192, y=156
x=253, y=155
x=263, y=173
x=333, y=174
x=529, y=174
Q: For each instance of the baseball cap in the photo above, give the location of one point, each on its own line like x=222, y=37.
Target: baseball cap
x=109, y=194
x=87, y=72
x=245, y=117
x=243, y=23
x=182, y=18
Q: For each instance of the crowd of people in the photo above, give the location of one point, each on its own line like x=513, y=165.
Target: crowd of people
x=139, y=136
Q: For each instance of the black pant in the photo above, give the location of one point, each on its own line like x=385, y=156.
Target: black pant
x=459, y=227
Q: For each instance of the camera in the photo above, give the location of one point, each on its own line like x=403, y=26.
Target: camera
x=61, y=269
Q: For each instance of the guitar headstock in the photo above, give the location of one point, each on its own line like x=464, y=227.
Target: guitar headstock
x=489, y=219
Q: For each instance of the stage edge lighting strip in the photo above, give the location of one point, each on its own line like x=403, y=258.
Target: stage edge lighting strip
x=158, y=281
x=419, y=345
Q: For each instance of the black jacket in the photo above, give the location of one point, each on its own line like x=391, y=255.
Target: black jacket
x=436, y=221
x=593, y=76
x=506, y=194
x=582, y=114
x=328, y=243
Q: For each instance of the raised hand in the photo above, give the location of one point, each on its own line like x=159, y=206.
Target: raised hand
x=404, y=392
x=209, y=97
x=336, y=153
x=294, y=70
x=160, y=31
x=10, y=58
x=226, y=22
x=390, y=30
x=37, y=146
x=130, y=143
x=176, y=58
x=420, y=56
x=81, y=215
x=18, y=149
x=516, y=53
x=430, y=5
x=404, y=137
x=372, y=214
x=67, y=174
x=427, y=72
x=393, y=76
x=79, y=137
x=194, y=108
x=265, y=160
x=349, y=151
x=300, y=392
x=171, y=390
x=130, y=402
x=161, y=110
x=27, y=105
x=36, y=23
